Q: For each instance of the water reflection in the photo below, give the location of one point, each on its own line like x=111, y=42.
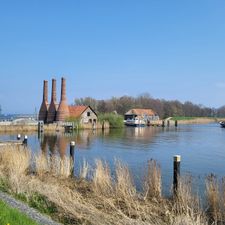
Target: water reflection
x=58, y=143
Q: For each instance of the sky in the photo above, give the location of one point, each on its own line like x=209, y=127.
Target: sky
x=170, y=49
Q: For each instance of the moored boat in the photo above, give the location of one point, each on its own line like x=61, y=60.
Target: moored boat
x=222, y=124
x=135, y=122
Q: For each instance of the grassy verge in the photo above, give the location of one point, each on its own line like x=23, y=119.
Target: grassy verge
x=115, y=121
x=10, y=216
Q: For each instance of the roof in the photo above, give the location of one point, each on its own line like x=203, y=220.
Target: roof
x=77, y=110
x=148, y=112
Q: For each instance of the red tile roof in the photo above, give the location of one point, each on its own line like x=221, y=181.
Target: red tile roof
x=76, y=111
x=148, y=112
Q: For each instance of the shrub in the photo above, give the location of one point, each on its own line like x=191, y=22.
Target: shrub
x=115, y=121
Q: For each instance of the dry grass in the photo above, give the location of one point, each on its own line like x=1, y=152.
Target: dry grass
x=106, y=199
x=153, y=181
x=215, y=196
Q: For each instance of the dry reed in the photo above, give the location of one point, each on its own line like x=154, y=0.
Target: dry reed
x=103, y=200
x=153, y=181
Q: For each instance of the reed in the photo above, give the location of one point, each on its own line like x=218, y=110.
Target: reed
x=153, y=181
x=108, y=197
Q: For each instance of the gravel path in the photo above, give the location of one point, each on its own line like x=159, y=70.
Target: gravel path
x=30, y=212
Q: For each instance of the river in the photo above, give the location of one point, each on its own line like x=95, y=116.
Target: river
x=201, y=148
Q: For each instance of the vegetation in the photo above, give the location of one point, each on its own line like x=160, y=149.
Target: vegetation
x=105, y=198
x=164, y=108
x=76, y=122
x=12, y=216
x=184, y=118
x=115, y=121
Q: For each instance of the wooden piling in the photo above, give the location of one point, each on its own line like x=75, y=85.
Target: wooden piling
x=176, y=173
x=72, y=147
x=25, y=140
x=18, y=137
x=163, y=123
x=176, y=123
x=168, y=123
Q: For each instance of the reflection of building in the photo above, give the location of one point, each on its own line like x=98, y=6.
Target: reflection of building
x=55, y=112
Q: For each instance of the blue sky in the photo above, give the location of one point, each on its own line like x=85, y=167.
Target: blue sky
x=170, y=49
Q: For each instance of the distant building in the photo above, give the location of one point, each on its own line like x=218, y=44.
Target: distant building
x=85, y=113
x=59, y=112
x=140, y=116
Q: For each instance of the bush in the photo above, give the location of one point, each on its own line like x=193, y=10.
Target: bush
x=115, y=121
x=74, y=120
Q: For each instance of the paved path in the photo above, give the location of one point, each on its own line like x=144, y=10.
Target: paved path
x=25, y=209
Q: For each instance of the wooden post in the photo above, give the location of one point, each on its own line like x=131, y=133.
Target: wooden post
x=168, y=123
x=176, y=173
x=176, y=123
x=72, y=147
x=18, y=137
x=163, y=123
x=25, y=140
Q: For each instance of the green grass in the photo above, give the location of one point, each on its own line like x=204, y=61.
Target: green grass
x=115, y=121
x=10, y=216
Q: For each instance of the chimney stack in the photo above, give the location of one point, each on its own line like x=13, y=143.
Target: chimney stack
x=63, y=110
x=53, y=105
x=44, y=105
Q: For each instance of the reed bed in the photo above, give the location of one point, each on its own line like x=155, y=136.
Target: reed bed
x=103, y=198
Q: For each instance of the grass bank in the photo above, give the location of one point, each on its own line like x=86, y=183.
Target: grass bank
x=10, y=216
x=99, y=198
x=194, y=120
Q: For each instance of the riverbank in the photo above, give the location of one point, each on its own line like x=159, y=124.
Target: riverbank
x=20, y=128
x=103, y=198
x=196, y=120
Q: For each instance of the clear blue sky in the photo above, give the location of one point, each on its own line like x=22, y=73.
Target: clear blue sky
x=171, y=49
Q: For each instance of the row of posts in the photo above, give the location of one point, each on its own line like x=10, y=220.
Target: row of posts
x=24, y=140
x=176, y=163
x=168, y=123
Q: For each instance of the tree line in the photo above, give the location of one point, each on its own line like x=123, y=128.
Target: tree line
x=164, y=108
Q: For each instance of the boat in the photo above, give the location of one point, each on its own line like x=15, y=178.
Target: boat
x=135, y=122
x=222, y=124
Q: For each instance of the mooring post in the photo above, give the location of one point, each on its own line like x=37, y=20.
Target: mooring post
x=168, y=123
x=25, y=140
x=163, y=123
x=72, y=147
x=18, y=137
x=176, y=123
x=176, y=173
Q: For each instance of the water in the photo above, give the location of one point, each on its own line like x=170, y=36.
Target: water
x=201, y=148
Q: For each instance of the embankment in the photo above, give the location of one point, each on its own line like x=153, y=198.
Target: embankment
x=48, y=127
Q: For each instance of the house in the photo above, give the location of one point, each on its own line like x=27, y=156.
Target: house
x=85, y=113
x=141, y=116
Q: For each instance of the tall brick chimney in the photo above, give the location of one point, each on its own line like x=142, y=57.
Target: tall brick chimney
x=44, y=105
x=63, y=110
x=53, y=105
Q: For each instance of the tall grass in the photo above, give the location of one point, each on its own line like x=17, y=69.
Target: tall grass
x=107, y=197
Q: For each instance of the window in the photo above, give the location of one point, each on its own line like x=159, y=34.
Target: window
x=88, y=114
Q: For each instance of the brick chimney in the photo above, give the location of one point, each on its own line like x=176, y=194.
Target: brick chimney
x=63, y=110
x=53, y=105
x=44, y=105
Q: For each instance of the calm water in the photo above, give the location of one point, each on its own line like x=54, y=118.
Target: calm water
x=201, y=147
